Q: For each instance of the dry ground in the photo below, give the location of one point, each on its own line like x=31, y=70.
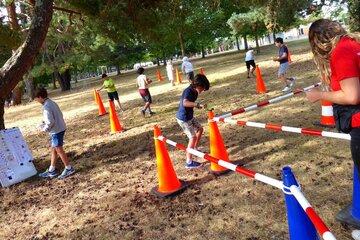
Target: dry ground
x=108, y=197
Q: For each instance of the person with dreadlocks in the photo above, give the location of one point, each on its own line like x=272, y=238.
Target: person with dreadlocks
x=337, y=55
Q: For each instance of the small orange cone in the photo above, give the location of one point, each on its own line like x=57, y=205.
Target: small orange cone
x=115, y=125
x=217, y=146
x=178, y=76
x=158, y=76
x=100, y=104
x=169, y=184
x=202, y=71
x=327, y=115
x=260, y=85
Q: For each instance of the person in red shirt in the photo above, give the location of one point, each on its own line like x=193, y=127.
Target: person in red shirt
x=337, y=55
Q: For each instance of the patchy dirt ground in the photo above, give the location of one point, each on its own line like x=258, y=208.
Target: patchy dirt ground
x=108, y=197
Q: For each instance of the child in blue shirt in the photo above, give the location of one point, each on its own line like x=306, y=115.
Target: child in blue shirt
x=185, y=115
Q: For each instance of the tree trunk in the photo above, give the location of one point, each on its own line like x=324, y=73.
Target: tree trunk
x=181, y=40
x=237, y=43
x=118, y=72
x=158, y=61
x=23, y=58
x=2, y=105
x=17, y=95
x=202, y=52
x=11, y=10
x=54, y=80
x=245, y=43
x=30, y=86
x=257, y=44
x=354, y=12
x=274, y=36
x=64, y=80
x=269, y=38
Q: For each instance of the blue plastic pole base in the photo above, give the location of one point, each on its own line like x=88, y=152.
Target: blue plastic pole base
x=300, y=226
x=351, y=214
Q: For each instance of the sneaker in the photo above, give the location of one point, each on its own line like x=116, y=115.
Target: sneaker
x=286, y=89
x=48, y=174
x=143, y=112
x=66, y=173
x=152, y=113
x=193, y=165
x=356, y=234
x=292, y=83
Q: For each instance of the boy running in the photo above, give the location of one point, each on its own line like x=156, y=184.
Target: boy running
x=143, y=84
x=187, y=69
x=54, y=124
x=250, y=61
x=185, y=115
x=110, y=88
x=284, y=65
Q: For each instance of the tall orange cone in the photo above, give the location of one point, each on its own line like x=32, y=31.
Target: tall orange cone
x=158, y=76
x=169, y=184
x=178, y=76
x=115, y=125
x=260, y=85
x=327, y=115
x=202, y=71
x=100, y=104
x=217, y=146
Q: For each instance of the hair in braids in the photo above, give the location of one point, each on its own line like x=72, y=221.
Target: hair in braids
x=324, y=34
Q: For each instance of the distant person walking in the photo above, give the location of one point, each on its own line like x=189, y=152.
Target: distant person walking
x=170, y=72
x=284, y=65
x=143, y=85
x=250, y=62
x=54, y=124
x=187, y=69
x=110, y=88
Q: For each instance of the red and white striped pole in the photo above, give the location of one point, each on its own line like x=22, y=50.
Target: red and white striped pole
x=314, y=218
x=310, y=212
x=280, y=128
x=267, y=102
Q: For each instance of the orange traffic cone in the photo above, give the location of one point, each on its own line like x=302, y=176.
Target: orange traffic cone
x=217, y=146
x=158, y=76
x=115, y=125
x=260, y=85
x=100, y=104
x=327, y=115
x=289, y=57
x=202, y=71
x=169, y=184
x=178, y=76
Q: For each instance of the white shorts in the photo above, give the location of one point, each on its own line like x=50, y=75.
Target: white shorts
x=190, y=127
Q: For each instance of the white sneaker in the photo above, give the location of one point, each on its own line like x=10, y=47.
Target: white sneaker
x=356, y=234
x=292, y=83
x=286, y=89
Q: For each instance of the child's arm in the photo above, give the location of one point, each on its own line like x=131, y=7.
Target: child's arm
x=148, y=81
x=100, y=88
x=49, y=121
x=187, y=103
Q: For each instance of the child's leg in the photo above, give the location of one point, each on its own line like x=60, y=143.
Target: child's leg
x=119, y=104
x=198, y=136
x=60, y=151
x=53, y=159
x=191, y=144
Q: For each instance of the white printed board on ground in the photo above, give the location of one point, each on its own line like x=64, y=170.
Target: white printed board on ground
x=16, y=161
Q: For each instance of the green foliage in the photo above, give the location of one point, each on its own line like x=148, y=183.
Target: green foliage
x=354, y=12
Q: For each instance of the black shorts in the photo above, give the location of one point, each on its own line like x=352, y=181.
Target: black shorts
x=190, y=76
x=250, y=63
x=145, y=94
x=113, y=95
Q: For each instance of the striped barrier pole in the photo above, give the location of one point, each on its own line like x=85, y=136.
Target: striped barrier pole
x=314, y=218
x=267, y=102
x=249, y=173
x=280, y=128
x=312, y=215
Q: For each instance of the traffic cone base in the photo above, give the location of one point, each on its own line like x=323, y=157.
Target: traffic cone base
x=345, y=216
x=260, y=85
x=115, y=125
x=155, y=190
x=321, y=124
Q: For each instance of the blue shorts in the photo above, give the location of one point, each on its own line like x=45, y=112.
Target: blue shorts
x=283, y=69
x=57, y=139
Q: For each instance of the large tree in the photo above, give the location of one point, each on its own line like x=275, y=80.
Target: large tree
x=22, y=58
